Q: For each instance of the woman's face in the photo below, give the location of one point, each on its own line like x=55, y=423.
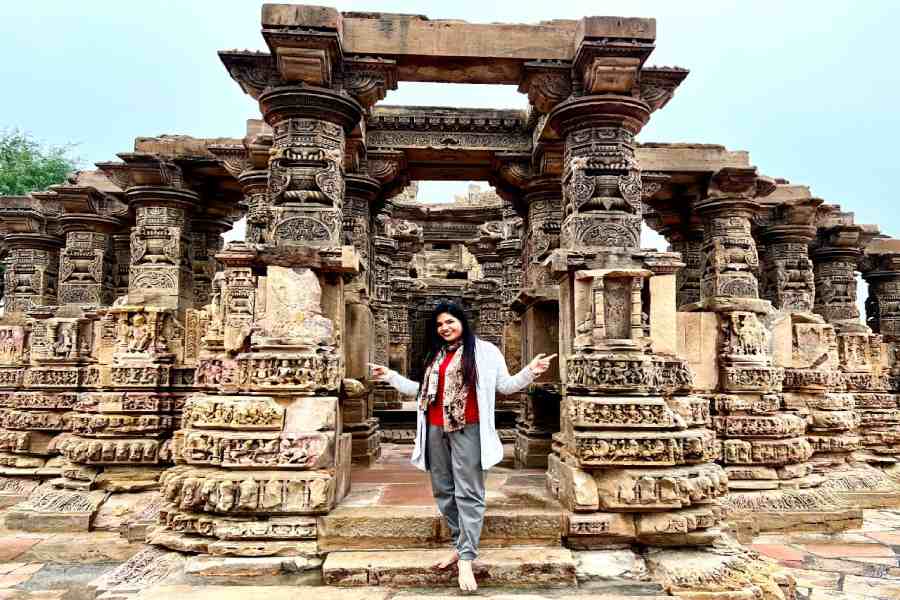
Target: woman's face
x=449, y=327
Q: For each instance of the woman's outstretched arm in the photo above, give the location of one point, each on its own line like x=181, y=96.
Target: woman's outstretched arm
x=510, y=384
x=405, y=386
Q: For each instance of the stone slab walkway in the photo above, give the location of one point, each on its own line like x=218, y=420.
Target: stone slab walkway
x=861, y=564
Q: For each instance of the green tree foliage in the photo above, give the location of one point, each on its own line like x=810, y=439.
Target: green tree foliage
x=28, y=166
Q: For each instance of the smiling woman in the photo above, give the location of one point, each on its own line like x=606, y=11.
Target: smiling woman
x=456, y=437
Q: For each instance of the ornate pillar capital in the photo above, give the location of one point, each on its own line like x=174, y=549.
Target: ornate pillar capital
x=601, y=179
x=881, y=270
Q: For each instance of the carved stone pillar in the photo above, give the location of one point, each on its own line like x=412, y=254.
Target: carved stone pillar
x=631, y=437
x=385, y=397
x=687, y=281
x=862, y=377
x=804, y=344
x=490, y=286
x=206, y=242
x=836, y=254
x=161, y=273
x=880, y=417
x=510, y=252
x=537, y=305
x=881, y=270
x=358, y=412
x=409, y=239
x=764, y=449
x=121, y=241
x=788, y=274
x=263, y=451
x=31, y=271
x=86, y=263
x=31, y=235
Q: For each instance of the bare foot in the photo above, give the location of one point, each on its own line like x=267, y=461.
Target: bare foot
x=448, y=561
x=466, y=576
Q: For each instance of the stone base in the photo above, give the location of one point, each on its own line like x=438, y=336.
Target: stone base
x=519, y=567
x=50, y=509
x=871, y=499
x=532, y=450
x=399, y=528
x=398, y=436
x=723, y=572
x=215, y=570
x=15, y=489
x=785, y=509
x=366, y=445
x=864, y=486
x=9, y=460
x=197, y=544
x=149, y=567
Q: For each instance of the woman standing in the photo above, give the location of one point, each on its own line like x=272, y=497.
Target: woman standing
x=456, y=437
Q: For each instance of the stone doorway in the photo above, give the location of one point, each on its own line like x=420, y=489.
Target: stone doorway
x=446, y=250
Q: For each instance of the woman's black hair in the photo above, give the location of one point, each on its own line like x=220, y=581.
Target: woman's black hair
x=434, y=342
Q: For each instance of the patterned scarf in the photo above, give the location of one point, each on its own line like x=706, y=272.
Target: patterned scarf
x=455, y=390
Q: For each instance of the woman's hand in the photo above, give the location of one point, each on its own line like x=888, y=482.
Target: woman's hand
x=379, y=373
x=540, y=363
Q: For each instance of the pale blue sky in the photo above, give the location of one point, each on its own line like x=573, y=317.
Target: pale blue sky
x=808, y=88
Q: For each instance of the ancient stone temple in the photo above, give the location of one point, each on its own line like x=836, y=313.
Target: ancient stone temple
x=218, y=394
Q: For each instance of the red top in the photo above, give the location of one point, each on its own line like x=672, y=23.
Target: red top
x=436, y=409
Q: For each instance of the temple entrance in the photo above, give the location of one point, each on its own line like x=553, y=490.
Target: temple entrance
x=449, y=254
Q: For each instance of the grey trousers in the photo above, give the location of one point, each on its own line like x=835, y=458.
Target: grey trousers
x=457, y=482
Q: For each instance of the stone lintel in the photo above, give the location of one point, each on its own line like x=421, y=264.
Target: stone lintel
x=337, y=259
x=449, y=50
x=600, y=273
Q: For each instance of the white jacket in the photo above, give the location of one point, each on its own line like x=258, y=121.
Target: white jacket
x=493, y=376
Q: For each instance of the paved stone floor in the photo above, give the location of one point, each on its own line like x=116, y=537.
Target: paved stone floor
x=862, y=564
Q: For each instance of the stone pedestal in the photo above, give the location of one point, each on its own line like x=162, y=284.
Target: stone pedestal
x=119, y=438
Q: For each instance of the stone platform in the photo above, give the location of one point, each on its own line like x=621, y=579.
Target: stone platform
x=860, y=564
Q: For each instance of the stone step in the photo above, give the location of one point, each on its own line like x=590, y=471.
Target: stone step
x=497, y=567
x=397, y=528
x=293, y=592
